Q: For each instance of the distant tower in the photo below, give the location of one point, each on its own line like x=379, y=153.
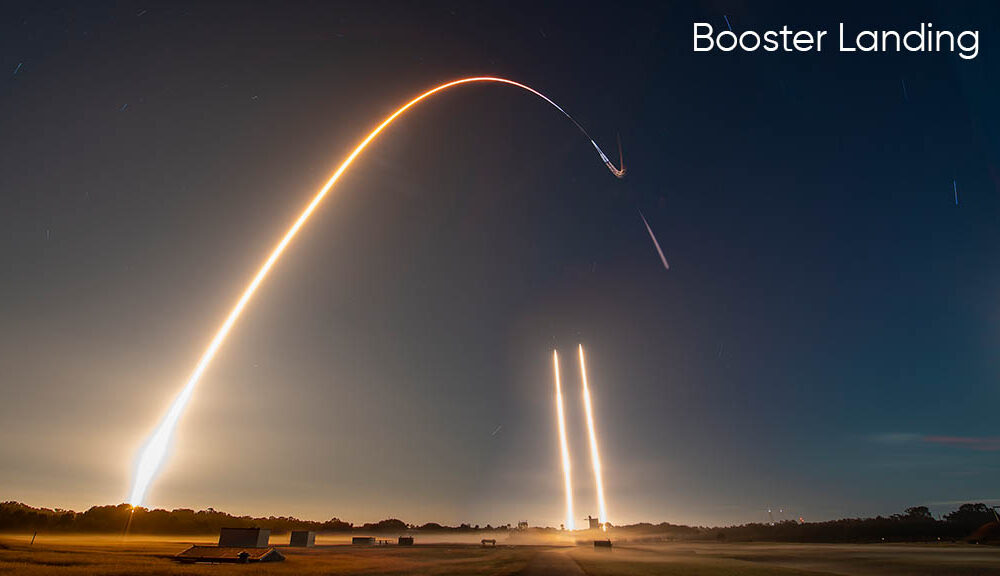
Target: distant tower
x=593, y=523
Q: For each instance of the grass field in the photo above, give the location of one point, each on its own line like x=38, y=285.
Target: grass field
x=759, y=559
x=111, y=555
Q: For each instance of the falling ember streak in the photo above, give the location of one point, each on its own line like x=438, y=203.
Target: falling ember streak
x=655, y=243
x=563, y=446
x=155, y=450
x=621, y=159
x=128, y=523
x=595, y=457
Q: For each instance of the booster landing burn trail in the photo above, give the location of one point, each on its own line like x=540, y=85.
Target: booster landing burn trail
x=595, y=456
x=563, y=446
x=154, y=451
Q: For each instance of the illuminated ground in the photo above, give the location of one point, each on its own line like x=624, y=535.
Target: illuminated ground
x=697, y=559
x=108, y=555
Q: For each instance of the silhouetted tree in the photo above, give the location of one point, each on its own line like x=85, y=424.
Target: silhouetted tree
x=335, y=525
x=970, y=516
x=388, y=525
x=919, y=513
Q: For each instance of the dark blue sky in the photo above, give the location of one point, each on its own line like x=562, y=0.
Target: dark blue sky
x=824, y=342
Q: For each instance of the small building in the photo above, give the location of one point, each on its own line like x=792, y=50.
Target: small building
x=363, y=540
x=228, y=555
x=302, y=539
x=244, y=537
x=406, y=541
x=594, y=523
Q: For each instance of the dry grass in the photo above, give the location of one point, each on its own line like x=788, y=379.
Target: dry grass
x=109, y=555
x=622, y=562
x=149, y=556
x=759, y=559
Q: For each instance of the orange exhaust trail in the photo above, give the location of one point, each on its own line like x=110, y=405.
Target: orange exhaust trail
x=154, y=452
x=563, y=446
x=595, y=457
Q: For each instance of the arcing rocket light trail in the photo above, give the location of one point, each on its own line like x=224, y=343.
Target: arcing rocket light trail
x=563, y=445
x=155, y=450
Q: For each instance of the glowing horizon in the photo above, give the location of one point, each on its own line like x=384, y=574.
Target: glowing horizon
x=564, y=446
x=154, y=451
x=595, y=457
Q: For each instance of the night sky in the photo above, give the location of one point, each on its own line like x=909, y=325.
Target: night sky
x=825, y=341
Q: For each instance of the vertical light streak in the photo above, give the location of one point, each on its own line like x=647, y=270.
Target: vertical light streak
x=595, y=456
x=563, y=445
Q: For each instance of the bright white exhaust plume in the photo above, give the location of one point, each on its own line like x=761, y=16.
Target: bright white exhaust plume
x=563, y=446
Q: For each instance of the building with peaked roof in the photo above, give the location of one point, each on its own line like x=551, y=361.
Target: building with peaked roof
x=229, y=555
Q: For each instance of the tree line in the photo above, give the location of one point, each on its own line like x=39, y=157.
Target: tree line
x=18, y=517
x=973, y=521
